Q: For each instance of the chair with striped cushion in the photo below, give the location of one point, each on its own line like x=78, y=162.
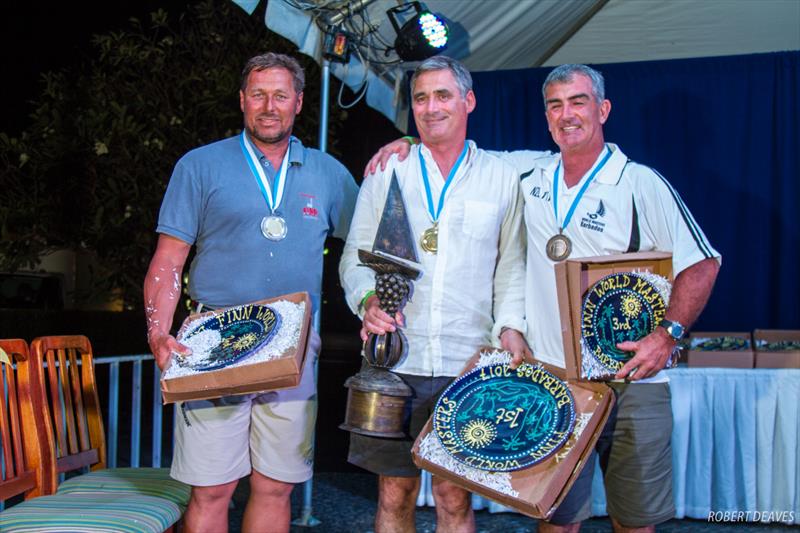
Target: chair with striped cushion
x=28, y=469
x=69, y=393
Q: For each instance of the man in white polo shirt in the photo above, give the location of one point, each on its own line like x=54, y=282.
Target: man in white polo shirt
x=590, y=200
x=602, y=203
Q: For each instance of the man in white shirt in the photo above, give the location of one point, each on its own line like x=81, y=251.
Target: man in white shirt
x=471, y=291
x=608, y=204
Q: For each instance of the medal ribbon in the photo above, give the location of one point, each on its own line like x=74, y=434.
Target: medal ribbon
x=580, y=193
x=435, y=216
x=276, y=191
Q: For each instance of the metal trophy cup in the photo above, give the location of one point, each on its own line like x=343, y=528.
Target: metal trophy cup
x=376, y=397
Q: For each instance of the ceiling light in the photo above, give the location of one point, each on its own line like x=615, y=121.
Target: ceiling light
x=420, y=37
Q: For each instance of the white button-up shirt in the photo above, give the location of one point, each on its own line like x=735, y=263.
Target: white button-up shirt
x=474, y=285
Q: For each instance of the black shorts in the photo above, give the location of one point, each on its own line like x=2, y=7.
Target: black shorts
x=392, y=457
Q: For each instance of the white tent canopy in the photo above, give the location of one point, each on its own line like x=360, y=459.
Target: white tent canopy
x=511, y=34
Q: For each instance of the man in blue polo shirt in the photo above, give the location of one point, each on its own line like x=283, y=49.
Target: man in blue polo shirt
x=257, y=207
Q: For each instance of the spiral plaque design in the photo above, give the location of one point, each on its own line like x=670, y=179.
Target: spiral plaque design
x=498, y=419
x=243, y=330
x=619, y=307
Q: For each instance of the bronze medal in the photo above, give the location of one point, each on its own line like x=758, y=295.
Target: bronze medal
x=558, y=247
x=430, y=239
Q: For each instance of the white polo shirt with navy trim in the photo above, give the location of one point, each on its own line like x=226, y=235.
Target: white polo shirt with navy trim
x=628, y=207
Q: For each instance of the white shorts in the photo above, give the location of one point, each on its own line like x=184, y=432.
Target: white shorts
x=224, y=439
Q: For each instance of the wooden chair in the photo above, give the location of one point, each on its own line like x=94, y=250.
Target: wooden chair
x=69, y=394
x=36, y=476
x=30, y=468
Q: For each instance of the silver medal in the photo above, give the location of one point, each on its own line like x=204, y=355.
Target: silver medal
x=273, y=227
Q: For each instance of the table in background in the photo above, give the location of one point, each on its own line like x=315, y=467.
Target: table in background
x=734, y=444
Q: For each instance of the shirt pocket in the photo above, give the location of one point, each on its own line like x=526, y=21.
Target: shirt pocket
x=481, y=221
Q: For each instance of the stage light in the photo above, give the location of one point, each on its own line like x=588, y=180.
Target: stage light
x=422, y=36
x=336, y=46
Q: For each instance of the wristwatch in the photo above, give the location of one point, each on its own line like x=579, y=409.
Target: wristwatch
x=674, y=329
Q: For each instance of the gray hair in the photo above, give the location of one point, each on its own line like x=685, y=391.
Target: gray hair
x=566, y=73
x=273, y=60
x=459, y=71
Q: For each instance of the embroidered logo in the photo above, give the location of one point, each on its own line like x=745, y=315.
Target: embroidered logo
x=601, y=211
x=537, y=192
x=592, y=219
x=309, y=211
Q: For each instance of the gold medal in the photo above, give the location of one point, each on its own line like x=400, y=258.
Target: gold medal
x=430, y=239
x=558, y=247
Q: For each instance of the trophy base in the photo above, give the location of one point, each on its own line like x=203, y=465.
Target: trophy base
x=376, y=402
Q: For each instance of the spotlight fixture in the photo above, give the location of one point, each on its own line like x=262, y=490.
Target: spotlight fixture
x=420, y=37
x=336, y=46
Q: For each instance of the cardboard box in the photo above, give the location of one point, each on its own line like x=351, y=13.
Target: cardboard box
x=280, y=373
x=543, y=486
x=776, y=359
x=720, y=358
x=574, y=277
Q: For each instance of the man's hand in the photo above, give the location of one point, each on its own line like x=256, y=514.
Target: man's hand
x=650, y=355
x=163, y=345
x=401, y=147
x=512, y=341
x=378, y=321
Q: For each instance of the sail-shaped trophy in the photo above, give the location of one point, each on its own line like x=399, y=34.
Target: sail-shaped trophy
x=377, y=397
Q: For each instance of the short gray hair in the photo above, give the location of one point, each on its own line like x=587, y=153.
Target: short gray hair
x=566, y=73
x=272, y=60
x=460, y=72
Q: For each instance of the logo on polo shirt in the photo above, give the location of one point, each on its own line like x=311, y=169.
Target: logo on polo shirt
x=593, y=221
x=309, y=211
x=537, y=192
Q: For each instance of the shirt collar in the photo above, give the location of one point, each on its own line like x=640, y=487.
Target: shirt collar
x=611, y=172
x=297, y=152
x=472, y=149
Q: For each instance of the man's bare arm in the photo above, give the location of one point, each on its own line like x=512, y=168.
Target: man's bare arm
x=690, y=293
x=162, y=291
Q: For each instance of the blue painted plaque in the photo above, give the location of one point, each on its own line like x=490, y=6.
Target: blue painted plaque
x=498, y=419
x=243, y=331
x=619, y=307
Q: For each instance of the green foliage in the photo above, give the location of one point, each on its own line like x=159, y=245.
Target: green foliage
x=89, y=171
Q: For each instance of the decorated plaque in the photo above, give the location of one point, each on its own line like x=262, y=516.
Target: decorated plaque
x=231, y=336
x=620, y=307
x=498, y=419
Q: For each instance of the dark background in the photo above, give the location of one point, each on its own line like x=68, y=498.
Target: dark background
x=37, y=38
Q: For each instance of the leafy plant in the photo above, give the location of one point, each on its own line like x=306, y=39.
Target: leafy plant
x=89, y=171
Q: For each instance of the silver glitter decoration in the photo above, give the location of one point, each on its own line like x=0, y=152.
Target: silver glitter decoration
x=581, y=420
x=494, y=357
x=431, y=450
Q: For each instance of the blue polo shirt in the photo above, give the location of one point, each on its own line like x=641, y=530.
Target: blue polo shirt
x=213, y=202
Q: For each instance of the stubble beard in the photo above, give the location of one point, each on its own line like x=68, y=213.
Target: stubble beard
x=271, y=139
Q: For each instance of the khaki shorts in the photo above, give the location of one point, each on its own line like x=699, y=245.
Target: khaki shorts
x=224, y=439
x=636, y=458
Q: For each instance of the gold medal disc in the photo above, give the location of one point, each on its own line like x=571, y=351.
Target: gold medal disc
x=558, y=247
x=430, y=240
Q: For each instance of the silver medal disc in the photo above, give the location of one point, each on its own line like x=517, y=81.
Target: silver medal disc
x=558, y=247
x=273, y=227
